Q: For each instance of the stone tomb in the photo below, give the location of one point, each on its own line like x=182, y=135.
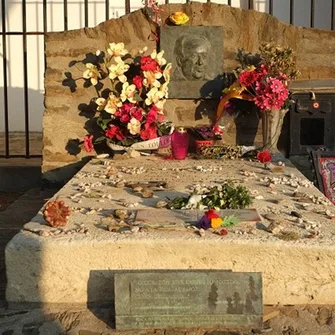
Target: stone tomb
x=188, y=299
x=77, y=264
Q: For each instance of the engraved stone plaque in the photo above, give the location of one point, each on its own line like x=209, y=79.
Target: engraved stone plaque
x=188, y=299
x=196, y=54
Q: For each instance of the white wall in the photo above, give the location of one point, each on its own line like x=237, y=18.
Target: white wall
x=76, y=20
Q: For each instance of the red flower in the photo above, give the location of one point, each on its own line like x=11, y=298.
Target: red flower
x=125, y=118
x=264, y=156
x=149, y=64
x=247, y=78
x=152, y=115
x=138, y=82
x=149, y=133
x=211, y=214
x=88, y=144
x=114, y=131
x=137, y=114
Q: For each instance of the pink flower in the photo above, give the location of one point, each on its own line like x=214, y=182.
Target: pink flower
x=151, y=116
x=275, y=84
x=88, y=144
x=247, y=78
x=264, y=69
x=138, y=82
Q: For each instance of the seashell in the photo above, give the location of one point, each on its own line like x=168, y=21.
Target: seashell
x=135, y=229
x=147, y=193
x=121, y=214
x=120, y=184
x=259, y=197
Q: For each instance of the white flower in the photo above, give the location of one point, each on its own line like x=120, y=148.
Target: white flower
x=153, y=96
x=97, y=53
x=128, y=92
x=134, y=126
x=165, y=89
x=158, y=57
x=150, y=78
x=142, y=51
x=113, y=103
x=160, y=104
x=117, y=49
x=167, y=72
x=92, y=73
x=101, y=102
x=118, y=70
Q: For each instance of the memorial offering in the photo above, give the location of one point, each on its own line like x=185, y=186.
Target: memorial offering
x=188, y=299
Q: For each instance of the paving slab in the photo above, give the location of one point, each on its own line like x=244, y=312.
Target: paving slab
x=77, y=264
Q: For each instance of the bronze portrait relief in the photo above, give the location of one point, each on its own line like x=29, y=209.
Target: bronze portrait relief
x=196, y=54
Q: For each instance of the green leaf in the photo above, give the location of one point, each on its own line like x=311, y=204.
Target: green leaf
x=230, y=220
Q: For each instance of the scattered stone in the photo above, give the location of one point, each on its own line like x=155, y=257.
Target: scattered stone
x=289, y=236
x=147, y=193
x=121, y=214
x=274, y=228
x=259, y=197
x=201, y=232
x=161, y=204
x=120, y=184
x=134, y=153
x=296, y=214
x=135, y=229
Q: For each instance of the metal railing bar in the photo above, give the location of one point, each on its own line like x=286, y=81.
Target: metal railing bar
x=312, y=12
x=45, y=28
x=271, y=7
x=127, y=6
x=333, y=16
x=167, y=2
x=107, y=9
x=229, y=2
x=250, y=4
x=20, y=156
x=21, y=33
x=5, y=79
x=291, y=11
x=25, y=76
x=86, y=13
x=66, y=15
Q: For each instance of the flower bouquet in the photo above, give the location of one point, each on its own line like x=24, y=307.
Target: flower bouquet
x=263, y=79
x=129, y=112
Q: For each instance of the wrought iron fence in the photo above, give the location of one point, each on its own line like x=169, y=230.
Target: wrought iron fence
x=24, y=33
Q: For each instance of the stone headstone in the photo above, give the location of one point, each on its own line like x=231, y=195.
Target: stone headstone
x=209, y=299
x=196, y=54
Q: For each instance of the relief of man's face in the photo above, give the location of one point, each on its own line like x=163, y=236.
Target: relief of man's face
x=194, y=61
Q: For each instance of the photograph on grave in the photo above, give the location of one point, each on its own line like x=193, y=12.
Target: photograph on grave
x=188, y=299
x=196, y=54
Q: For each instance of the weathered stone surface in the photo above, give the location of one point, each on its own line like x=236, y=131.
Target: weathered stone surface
x=79, y=268
x=62, y=122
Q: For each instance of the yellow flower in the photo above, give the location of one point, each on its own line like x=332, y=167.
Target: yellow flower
x=113, y=103
x=167, y=72
x=158, y=57
x=216, y=222
x=134, y=126
x=118, y=70
x=128, y=92
x=153, y=96
x=150, y=78
x=92, y=73
x=117, y=49
x=179, y=18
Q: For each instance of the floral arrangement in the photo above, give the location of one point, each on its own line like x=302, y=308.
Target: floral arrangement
x=223, y=196
x=212, y=220
x=262, y=78
x=130, y=108
x=179, y=18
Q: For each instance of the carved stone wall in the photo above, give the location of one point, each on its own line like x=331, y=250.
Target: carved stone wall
x=242, y=28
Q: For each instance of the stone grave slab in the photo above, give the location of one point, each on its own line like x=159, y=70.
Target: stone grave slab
x=188, y=299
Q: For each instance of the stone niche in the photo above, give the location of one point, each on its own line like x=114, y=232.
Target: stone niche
x=63, y=118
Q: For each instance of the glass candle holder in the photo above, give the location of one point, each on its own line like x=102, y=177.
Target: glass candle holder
x=179, y=143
